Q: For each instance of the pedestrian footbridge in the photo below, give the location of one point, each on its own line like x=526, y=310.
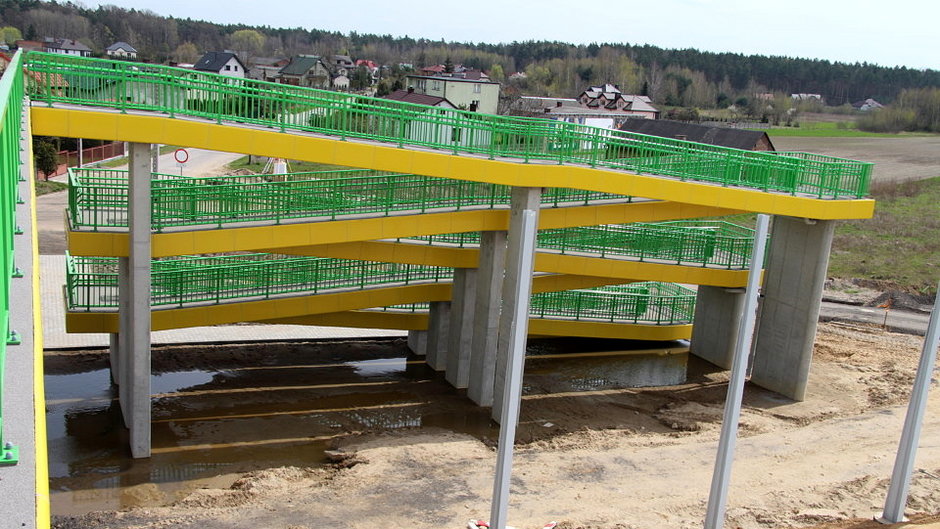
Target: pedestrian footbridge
x=439, y=222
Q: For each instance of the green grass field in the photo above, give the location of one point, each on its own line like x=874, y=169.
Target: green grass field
x=899, y=245
x=830, y=129
x=44, y=187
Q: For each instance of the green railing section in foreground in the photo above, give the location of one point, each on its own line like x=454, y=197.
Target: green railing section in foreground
x=92, y=284
x=179, y=92
x=703, y=243
x=11, y=115
x=98, y=197
x=647, y=303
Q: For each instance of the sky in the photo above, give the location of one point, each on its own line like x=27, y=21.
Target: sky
x=898, y=33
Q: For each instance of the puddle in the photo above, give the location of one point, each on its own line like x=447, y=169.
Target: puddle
x=263, y=408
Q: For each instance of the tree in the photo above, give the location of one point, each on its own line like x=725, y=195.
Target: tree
x=186, y=53
x=361, y=78
x=10, y=34
x=247, y=43
x=448, y=65
x=496, y=72
x=45, y=157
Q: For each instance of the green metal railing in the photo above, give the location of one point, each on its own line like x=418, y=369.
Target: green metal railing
x=179, y=92
x=11, y=115
x=648, y=303
x=98, y=197
x=92, y=282
x=703, y=243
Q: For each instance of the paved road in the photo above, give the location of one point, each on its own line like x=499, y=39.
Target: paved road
x=898, y=320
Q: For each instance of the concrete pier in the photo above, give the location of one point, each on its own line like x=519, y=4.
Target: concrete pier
x=793, y=285
x=525, y=200
x=717, y=322
x=438, y=335
x=486, y=317
x=418, y=342
x=463, y=301
x=134, y=286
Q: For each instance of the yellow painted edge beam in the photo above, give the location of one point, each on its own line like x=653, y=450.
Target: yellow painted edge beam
x=274, y=237
x=88, y=123
x=43, y=509
x=591, y=329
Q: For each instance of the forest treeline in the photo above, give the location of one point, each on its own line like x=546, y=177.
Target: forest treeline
x=688, y=78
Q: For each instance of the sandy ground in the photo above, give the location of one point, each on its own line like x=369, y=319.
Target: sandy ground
x=616, y=458
x=896, y=159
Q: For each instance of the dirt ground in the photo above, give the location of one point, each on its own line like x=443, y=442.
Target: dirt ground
x=612, y=459
x=896, y=159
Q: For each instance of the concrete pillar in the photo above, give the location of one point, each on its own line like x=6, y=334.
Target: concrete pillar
x=524, y=199
x=135, y=358
x=418, y=342
x=124, y=332
x=717, y=322
x=114, y=352
x=463, y=300
x=486, y=317
x=438, y=333
x=793, y=285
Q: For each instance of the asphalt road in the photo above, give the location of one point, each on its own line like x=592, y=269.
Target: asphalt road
x=897, y=321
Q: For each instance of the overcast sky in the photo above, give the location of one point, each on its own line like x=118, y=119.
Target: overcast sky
x=902, y=32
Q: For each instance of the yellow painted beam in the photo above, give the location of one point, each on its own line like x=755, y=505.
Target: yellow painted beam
x=273, y=238
x=152, y=128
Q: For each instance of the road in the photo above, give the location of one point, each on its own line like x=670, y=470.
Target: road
x=898, y=320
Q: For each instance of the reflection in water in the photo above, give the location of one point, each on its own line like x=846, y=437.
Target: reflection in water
x=208, y=426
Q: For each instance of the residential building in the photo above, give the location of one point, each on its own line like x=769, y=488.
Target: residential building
x=409, y=96
x=121, y=50
x=470, y=90
x=866, y=105
x=28, y=45
x=807, y=97
x=750, y=140
x=342, y=65
x=222, y=62
x=341, y=82
x=610, y=115
x=266, y=68
x=305, y=70
x=609, y=98
x=65, y=47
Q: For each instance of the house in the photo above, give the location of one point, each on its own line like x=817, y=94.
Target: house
x=52, y=82
x=28, y=45
x=305, y=70
x=341, y=82
x=807, y=97
x=121, y=50
x=343, y=65
x=266, y=68
x=866, y=105
x=609, y=98
x=470, y=89
x=221, y=62
x=409, y=96
x=65, y=47
x=749, y=140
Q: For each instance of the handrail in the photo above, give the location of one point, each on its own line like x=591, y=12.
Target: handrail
x=92, y=284
x=11, y=115
x=175, y=91
x=701, y=243
x=98, y=198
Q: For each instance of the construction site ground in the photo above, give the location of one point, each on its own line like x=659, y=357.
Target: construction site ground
x=599, y=459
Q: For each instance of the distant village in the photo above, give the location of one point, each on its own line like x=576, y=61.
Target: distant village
x=452, y=86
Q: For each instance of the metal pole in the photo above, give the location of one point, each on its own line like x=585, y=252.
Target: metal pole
x=80, y=146
x=718, y=497
x=907, y=449
x=512, y=395
x=155, y=159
